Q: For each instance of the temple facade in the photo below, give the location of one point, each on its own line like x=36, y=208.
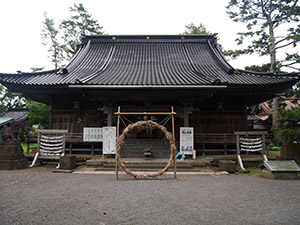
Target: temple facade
x=150, y=74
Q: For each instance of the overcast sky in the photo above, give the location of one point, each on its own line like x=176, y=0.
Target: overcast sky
x=21, y=25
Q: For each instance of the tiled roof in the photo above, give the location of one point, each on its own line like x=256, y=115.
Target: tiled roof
x=16, y=114
x=172, y=60
x=4, y=120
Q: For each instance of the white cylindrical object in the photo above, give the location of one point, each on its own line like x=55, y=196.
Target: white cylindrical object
x=194, y=154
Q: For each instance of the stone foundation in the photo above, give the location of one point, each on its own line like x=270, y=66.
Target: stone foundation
x=227, y=165
x=12, y=157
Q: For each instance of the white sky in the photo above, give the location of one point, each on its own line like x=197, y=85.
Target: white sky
x=21, y=25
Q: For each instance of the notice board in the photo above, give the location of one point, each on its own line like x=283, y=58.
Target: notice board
x=109, y=140
x=92, y=134
x=186, y=140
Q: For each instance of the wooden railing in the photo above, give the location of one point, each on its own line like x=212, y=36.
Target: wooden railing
x=218, y=142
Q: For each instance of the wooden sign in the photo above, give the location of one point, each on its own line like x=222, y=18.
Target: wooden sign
x=187, y=140
x=94, y=134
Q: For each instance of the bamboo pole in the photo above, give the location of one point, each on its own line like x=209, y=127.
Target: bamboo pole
x=118, y=134
x=173, y=131
x=144, y=113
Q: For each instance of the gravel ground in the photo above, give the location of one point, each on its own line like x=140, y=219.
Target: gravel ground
x=38, y=196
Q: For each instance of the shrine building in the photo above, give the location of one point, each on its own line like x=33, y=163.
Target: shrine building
x=151, y=73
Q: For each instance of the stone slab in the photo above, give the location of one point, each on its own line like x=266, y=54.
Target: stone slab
x=227, y=165
x=67, y=162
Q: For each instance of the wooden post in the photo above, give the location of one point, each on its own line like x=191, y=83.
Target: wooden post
x=264, y=148
x=64, y=144
x=118, y=134
x=93, y=149
x=185, y=116
x=28, y=146
x=109, y=115
x=173, y=131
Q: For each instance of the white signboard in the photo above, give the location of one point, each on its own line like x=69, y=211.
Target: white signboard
x=186, y=140
x=109, y=140
x=94, y=134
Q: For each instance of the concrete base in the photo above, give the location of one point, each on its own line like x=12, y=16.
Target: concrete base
x=12, y=157
x=227, y=165
x=67, y=162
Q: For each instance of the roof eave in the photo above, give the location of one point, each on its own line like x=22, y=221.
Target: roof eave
x=91, y=86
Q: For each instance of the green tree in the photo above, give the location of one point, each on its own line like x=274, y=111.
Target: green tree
x=37, y=69
x=38, y=113
x=263, y=68
x=80, y=23
x=9, y=100
x=289, y=127
x=62, y=39
x=193, y=29
x=263, y=19
x=50, y=38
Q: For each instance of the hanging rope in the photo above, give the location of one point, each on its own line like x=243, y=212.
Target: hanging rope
x=165, y=120
x=251, y=144
x=125, y=118
x=51, y=145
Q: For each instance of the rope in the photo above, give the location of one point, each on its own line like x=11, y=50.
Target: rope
x=251, y=144
x=51, y=145
x=142, y=125
x=165, y=120
x=123, y=121
x=125, y=118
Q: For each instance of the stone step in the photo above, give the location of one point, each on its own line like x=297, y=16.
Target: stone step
x=150, y=169
x=155, y=166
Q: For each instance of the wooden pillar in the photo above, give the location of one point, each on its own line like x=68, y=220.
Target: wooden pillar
x=173, y=131
x=118, y=134
x=185, y=116
x=76, y=110
x=50, y=125
x=109, y=115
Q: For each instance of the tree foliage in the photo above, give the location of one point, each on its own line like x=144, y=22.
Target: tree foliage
x=38, y=113
x=9, y=100
x=263, y=68
x=263, y=18
x=289, y=127
x=62, y=38
x=50, y=38
x=193, y=29
x=80, y=23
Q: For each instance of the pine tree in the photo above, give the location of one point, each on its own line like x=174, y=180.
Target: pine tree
x=50, y=37
x=79, y=24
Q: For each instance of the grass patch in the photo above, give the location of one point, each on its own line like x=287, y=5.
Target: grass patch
x=275, y=152
x=253, y=171
x=24, y=146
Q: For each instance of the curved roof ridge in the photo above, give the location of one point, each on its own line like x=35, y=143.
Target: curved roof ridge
x=225, y=66
x=107, y=60
x=220, y=53
x=78, y=57
x=192, y=64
